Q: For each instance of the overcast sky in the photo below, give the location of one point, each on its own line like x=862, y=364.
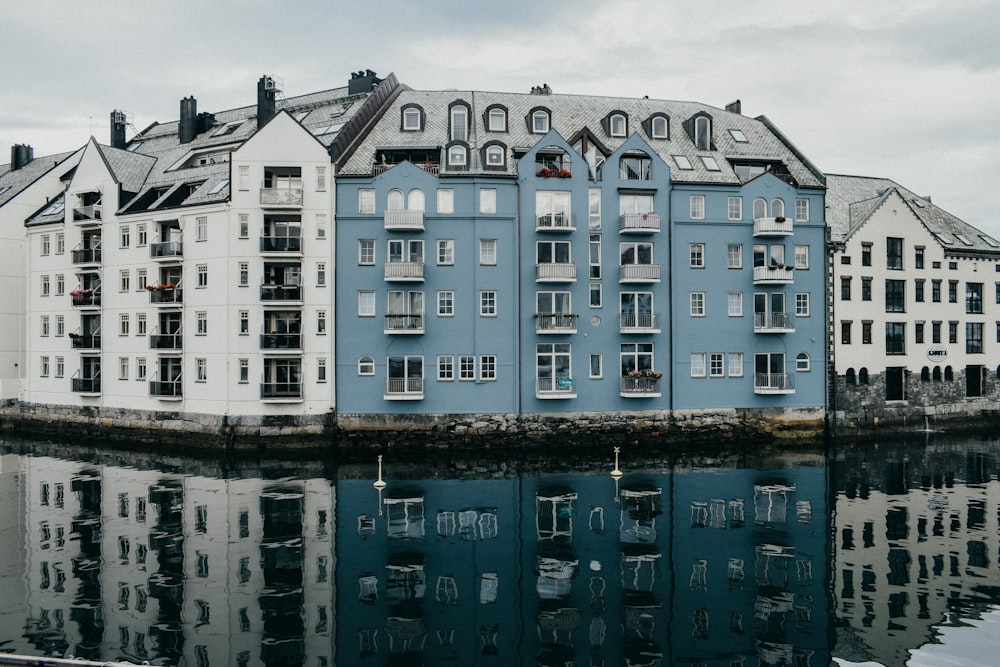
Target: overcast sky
x=903, y=90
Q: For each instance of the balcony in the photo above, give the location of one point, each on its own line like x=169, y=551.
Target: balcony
x=772, y=227
x=284, y=341
x=404, y=271
x=88, y=342
x=639, y=273
x=165, y=296
x=775, y=274
x=87, y=256
x=404, y=389
x=639, y=323
x=166, y=250
x=87, y=385
x=281, y=293
x=639, y=223
x=404, y=220
x=87, y=213
x=166, y=389
x=85, y=297
x=173, y=341
x=555, y=222
x=555, y=273
x=404, y=324
x=281, y=244
x=555, y=323
x=431, y=168
x=555, y=388
x=639, y=387
x=281, y=197
x=281, y=390
x=773, y=383
x=765, y=323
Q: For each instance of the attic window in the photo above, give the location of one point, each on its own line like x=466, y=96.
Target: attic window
x=496, y=119
x=710, y=163
x=540, y=121
x=57, y=206
x=134, y=146
x=683, y=162
x=412, y=119
x=703, y=132
x=617, y=125
x=989, y=241
x=918, y=203
x=658, y=128
x=228, y=128
x=964, y=239
x=738, y=135
x=944, y=238
x=328, y=129
x=199, y=158
x=4, y=189
x=219, y=187
x=301, y=116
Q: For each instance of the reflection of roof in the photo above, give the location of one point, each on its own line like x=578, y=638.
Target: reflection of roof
x=572, y=114
x=852, y=200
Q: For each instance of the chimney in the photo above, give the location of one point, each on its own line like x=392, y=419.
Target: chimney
x=204, y=122
x=362, y=82
x=20, y=155
x=543, y=89
x=118, y=122
x=267, y=90
x=735, y=107
x=187, y=130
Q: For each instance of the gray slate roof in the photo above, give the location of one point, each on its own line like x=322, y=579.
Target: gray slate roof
x=851, y=200
x=20, y=179
x=572, y=113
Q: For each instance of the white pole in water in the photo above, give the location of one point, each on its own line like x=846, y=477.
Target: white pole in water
x=616, y=472
x=379, y=484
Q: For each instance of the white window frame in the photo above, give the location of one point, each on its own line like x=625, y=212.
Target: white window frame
x=802, y=304
x=124, y=237
x=696, y=255
x=540, y=121
x=659, y=128
x=697, y=207
x=366, y=201
x=366, y=365
x=446, y=367
x=801, y=257
x=735, y=365
x=243, y=376
x=201, y=228
x=488, y=201
x=802, y=210
x=244, y=229
x=717, y=364
x=201, y=369
x=122, y=368
x=599, y=374
x=445, y=201
x=366, y=303
x=803, y=364
x=697, y=302
x=488, y=303
x=488, y=252
x=735, y=207
x=735, y=304
x=366, y=252
x=698, y=366
x=201, y=275
x=201, y=323
x=734, y=256
x=446, y=252
x=617, y=125
x=466, y=368
x=320, y=274
x=244, y=274
x=411, y=119
x=487, y=368
x=497, y=120
x=320, y=322
x=446, y=303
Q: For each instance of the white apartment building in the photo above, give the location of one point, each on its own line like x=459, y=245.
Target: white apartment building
x=916, y=307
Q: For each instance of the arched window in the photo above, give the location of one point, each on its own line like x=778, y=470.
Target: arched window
x=925, y=374
x=495, y=156
x=937, y=374
x=415, y=200
x=777, y=208
x=617, y=125
x=412, y=119
x=849, y=377
x=459, y=121
x=949, y=375
x=395, y=200
x=366, y=365
x=802, y=362
x=658, y=128
x=458, y=157
x=703, y=133
x=759, y=208
x=540, y=121
x=863, y=376
x=496, y=119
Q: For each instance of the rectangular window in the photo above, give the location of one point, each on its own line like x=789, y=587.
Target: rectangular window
x=935, y=332
x=244, y=322
x=446, y=367
x=936, y=291
x=366, y=303
x=845, y=288
x=716, y=364
x=320, y=274
x=140, y=324
x=918, y=257
x=596, y=295
x=487, y=367
x=141, y=235
x=952, y=332
x=124, y=280
x=201, y=370
x=974, y=337
x=44, y=369
x=446, y=303
x=596, y=366
x=952, y=291
x=802, y=210
x=244, y=177
x=321, y=226
x=696, y=254
x=140, y=368
x=736, y=304
x=320, y=322
x=801, y=257
x=866, y=332
x=895, y=338
x=488, y=252
x=45, y=325
x=487, y=200
x=697, y=302
x=918, y=333
x=845, y=333
x=918, y=291
x=895, y=296
x=201, y=322
x=60, y=243
x=445, y=201
x=594, y=209
x=366, y=252
x=320, y=179
x=46, y=286
x=244, y=228
x=140, y=279
x=697, y=364
x=122, y=368
x=697, y=207
x=894, y=253
x=734, y=256
x=866, y=254
x=60, y=372
x=321, y=370
x=802, y=304
x=595, y=256
x=488, y=303
x=124, y=237
x=446, y=252
x=736, y=208
x=123, y=322
x=366, y=200
x=60, y=325
x=974, y=298
x=61, y=283
x=466, y=367
x=201, y=228
x=244, y=372
x=46, y=245
x=735, y=364
x=244, y=277
x=202, y=276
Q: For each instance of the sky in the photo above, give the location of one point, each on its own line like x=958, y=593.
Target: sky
x=902, y=90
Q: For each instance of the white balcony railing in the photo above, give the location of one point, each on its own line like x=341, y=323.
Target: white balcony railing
x=773, y=275
x=638, y=223
x=404, y=271
x=639, y=323
x=773, y=383
x=555, y=273
x=772, y=227
x=639, y=273
x=773, y=323
x=404, y=219
x=404, y=389
x=555, y=387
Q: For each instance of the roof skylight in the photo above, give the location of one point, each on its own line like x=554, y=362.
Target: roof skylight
x=57, y=206
x=739, y=136
x=991, y=242
x=219, y=187
x=710, y=163
x=944, y=238
x=964, y=239
x=682, y=162
x=328, y=129
x=4, y=189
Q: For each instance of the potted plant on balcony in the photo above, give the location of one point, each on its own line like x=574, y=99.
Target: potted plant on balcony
x=565, y=173
x=655, y=375
x=82, y=292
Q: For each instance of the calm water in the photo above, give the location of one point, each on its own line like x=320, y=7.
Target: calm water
x=882, y=554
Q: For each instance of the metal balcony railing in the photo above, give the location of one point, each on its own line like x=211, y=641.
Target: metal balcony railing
x=166, y=250
x=547, y=323
x=639, y=223
x=406, y=388
x=281, y=390
x=404, y=324
x=280, y=292
x=773, y=383
x=281, y=197
x=284, y=341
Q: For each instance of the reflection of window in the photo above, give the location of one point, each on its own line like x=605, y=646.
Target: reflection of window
x=699, y=576
x=405, y=517
x=554, y=516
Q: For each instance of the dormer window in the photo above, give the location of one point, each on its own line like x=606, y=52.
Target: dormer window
x=658, y=127
x=540, y=121
x=412, y=119
x=458, y=157
x=458, y=117
x=495, y=156
x=616, y=124
x=703, y=133
x=635, y=167
x=496, y=119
